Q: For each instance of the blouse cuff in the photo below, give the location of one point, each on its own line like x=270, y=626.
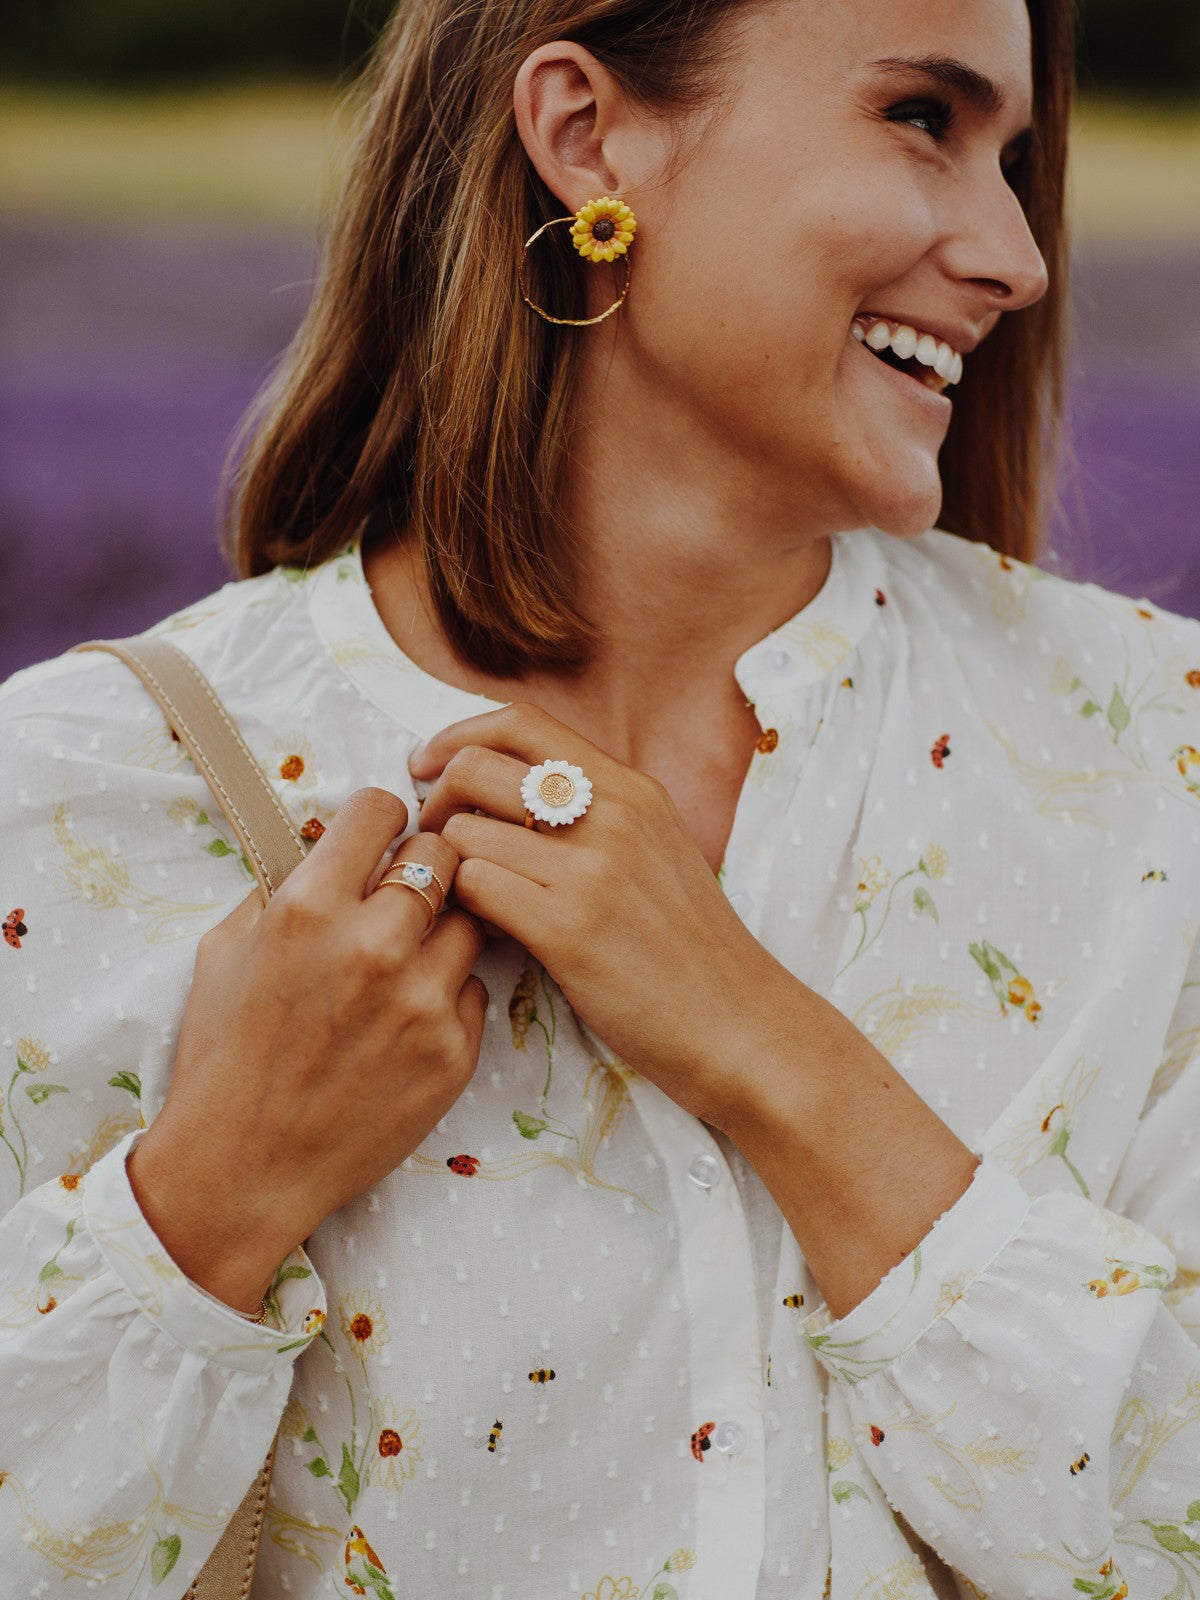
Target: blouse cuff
x=921, y=1288
x=188, y=1314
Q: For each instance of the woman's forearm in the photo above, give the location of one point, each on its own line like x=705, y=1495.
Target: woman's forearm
x=857, y=1162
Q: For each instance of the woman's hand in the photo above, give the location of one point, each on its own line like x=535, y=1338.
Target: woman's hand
x=324, y=1037
x=620, y=907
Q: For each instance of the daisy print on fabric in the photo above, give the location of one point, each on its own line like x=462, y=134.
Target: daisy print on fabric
x=1045, y=1133
x=875, y=894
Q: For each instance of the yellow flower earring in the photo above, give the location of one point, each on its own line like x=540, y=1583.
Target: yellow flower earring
x=601, y=230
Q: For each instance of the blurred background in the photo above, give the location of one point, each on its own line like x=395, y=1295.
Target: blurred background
x=163, y=173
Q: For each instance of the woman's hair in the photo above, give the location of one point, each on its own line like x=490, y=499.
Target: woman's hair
x=421, y=395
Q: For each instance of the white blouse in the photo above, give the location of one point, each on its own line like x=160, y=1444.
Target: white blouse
x=568, y=1349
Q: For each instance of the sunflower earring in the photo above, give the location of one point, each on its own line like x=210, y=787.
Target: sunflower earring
x=601, y=230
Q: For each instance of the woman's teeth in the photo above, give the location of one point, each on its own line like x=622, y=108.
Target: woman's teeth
x=943, y=365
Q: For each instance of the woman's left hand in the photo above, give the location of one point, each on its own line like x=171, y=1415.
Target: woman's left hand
x=620, y=906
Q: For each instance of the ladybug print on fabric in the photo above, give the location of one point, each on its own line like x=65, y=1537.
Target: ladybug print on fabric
x=940, y=751
x=876, y=1434
x=880, y=598
x=465, y=1166
x=14, y=928
x=701, y=1441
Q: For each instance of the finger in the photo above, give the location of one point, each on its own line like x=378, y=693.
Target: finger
x=475, y=778
x=535, y=856
x=472, y=1006
x=399, y=910
x=454, y=944
x=510, y=902
x=524, y=731
x=364, y=826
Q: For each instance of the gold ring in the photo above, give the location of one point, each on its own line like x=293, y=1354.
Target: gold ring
x=399, y=883
x=417, y=875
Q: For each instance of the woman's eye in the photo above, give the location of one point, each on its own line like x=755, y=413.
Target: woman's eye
x=930, y=116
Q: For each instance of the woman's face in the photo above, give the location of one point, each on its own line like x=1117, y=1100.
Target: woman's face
x=857, y=180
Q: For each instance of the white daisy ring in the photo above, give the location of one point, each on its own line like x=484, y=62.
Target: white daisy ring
x=555, y=792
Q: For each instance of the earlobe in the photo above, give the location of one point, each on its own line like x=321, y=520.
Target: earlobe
x=562, y=98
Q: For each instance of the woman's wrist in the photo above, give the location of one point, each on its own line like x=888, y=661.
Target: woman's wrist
x=205, y=1224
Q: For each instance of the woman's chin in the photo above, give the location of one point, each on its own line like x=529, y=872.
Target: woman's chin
x=902, y=510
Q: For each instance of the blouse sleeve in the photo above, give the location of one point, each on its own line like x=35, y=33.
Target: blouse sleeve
x=135, y=1409
x=1025, y=1385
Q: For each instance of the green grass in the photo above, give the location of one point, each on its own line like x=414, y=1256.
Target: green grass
x=271, y=155
x=238, y=155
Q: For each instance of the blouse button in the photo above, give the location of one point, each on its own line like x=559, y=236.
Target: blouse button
x=729, y=1438
x=705, y=1170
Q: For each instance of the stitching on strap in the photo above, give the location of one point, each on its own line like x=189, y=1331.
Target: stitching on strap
x=213, y=776
x=260, y=1511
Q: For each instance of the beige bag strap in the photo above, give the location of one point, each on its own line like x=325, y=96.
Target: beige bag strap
x=273, y=847
x=239, y=785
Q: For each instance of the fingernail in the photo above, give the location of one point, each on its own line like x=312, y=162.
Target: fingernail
x=415, y=757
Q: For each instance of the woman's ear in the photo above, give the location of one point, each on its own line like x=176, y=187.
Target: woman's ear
x=574, y=120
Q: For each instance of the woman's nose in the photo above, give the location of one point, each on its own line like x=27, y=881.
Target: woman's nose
x=996, y=250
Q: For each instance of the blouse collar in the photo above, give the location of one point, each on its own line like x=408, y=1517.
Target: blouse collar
x=810, y=646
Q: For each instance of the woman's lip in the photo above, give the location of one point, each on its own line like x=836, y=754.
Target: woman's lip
x=939, y=405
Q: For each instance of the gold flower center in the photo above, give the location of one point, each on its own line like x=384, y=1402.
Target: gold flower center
x=603, y=229
x=556, y=789
x=390, y=1443
x=291, y=768
x=362, y=1327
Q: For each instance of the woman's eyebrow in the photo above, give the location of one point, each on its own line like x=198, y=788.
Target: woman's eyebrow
x=950, y=73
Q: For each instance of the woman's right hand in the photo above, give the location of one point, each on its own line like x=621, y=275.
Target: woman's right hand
x=324, y=1037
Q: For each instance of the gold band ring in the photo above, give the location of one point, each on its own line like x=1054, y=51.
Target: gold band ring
x=413, y=875
x=399, y=883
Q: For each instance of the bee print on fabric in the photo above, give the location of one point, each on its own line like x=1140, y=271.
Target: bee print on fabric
x=1156, y=875
x=1078, y=1465
x=702, y=1441
x=941, y=750
x=14, y=928
x=542, y=1375
x=793, y=1301
x=493, y=1441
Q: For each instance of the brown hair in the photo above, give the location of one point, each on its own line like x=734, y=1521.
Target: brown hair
x=415, y=393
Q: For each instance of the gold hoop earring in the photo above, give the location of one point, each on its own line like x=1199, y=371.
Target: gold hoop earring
x=601, y=230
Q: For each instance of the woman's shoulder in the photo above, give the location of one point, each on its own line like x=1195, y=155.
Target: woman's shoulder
x=1067, y=674
x=983, y=591
x=254, y=625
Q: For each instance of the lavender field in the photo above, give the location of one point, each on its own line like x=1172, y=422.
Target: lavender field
x=128, y=354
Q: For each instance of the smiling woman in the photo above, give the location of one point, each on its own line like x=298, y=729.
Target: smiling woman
x=748, y=1154
x=846, y=144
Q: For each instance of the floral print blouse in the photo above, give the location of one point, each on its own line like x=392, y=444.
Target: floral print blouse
x=568, y=1349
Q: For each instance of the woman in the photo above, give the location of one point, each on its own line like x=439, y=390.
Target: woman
x=773, y=1175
